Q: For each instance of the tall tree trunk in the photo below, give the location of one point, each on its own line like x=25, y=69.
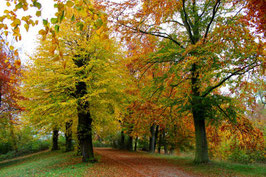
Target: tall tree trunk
x=156, y=136
x=68, y=135
x=55, y=140
x=84, y=124
x=152, y=138
x=136, y=144
x=122, y=143
x=198, y=111
x=84, y=117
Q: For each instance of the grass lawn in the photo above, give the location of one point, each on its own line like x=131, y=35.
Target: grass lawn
x=216, y=168
x=45, y=164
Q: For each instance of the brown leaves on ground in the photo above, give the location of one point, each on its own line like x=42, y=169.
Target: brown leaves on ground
x=116, y=163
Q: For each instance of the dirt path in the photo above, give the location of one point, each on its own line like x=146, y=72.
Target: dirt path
x=116, y=163
x=23, y=157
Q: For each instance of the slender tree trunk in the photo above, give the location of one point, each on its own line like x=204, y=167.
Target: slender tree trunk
x=68, y=135
x=152, y=138
x=55, y=140
x=136, y=144
x=156, y=136
x=122, y=143
x=198, y=111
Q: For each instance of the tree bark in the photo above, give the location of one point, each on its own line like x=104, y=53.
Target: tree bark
x=84, y=124
x=68, y=135
x=198, y=111
x=84, y=117
x=55, y=140
x=152, y=138
x=85, y=131
x=201, y=154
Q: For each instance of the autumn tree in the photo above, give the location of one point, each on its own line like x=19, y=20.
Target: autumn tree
x=9, y=94
x=47, y=87
x=205, y=45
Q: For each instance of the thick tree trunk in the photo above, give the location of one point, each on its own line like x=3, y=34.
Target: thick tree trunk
x=198, y=111
x=136, y=144
x=55, y=140
x=84, y=124
x=84, y=117
x=122, y=143
x=201, y=154
x=85, y=133
x=68, y=135
x=152, y=138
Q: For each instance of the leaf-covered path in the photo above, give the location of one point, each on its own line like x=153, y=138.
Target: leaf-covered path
x=116, y=163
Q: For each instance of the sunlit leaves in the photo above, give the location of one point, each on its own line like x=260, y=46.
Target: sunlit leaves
x=19, y=5
x=54, y=20
x=56, y=28
x=45, y=22
x=69, y=3
x=37, y=4
x=38, y=13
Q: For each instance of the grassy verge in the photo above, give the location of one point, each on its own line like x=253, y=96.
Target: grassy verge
x=46, y=164
x=217, y=169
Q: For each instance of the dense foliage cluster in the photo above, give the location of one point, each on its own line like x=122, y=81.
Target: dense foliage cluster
x=182, y=75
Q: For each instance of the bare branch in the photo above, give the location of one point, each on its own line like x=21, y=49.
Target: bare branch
x=186, y=21
x=214, y=11
x=237, y=72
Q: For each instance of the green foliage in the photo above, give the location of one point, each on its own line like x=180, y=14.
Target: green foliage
x=27, y=148
x=246, y=157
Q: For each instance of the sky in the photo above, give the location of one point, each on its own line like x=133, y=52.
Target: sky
x=27, y=45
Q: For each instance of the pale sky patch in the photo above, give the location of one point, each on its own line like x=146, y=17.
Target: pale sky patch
x=27, y=45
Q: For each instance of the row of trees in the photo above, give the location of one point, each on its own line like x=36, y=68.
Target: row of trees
x=184, y=75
